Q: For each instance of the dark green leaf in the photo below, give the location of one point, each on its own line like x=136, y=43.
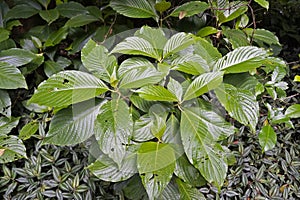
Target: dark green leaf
x=49, y=15
x=11, y=77
x=81, y=20
x=190, y=9
x=71, y=9
x=5, y=104
x=21, y=11
x=7, y=124
x=56, y=37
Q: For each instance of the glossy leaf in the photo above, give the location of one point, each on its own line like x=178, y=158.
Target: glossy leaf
x=187, y=192
x=5, y=103
x=202, y=84
x=190, y=8
x=175, y=88
x=177, y=43
x=263, y=3
x=81, y=20
x=56, y=37
x=293, y=111
x=267, y=138
x=71, y=9
x=142, y=129
x=68, y=87
x=297, y=78
x=241, y=59
x=11, y=148
x=49, y=15
x=263, y=35
x=17, y=57
x=240, y=104
x=7, y=124
x=74, y=124
x=134, y=8
x=113, y=129
x=156, y=93
x=11, y=77
x=191, y=64
x=21, y=11
x=206, y=31
x=237, y=8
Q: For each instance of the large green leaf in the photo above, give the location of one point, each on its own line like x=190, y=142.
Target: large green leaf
x=74, y=124
x=293, y=111
x=175, y=88
x=17, y=57
x=137, y=72
x=142, y=129
x=68, y=87
x=189, y=9
x=7, y=124
x=191, y=64
x=236, y=37
x=56, y=37
x=156, y=93
x=134, y=8
x=5, y=103
x=11, y=148
x=81, y=20
x=198, y=143
x=49, y=15
x=136, y=46
x=240, y=104
x=11, y=77
x=177, y=43
x=156, y=164
x=170, y=192
x=241, y=59
x=187, y=192
x=71, y=9
x=267, y=138
x=262, y=35
x=236, y=9
x=113, y=129
x=202, y=84
x=21, y=11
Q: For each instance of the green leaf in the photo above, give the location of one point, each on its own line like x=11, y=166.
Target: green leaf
x=191, y=64
x=4, y=34
x=68, y=87
x=11, y=77
x=5, y=104
x=170, y=192
x=28, y=130
x=74, y=124
x=49, y=15
x=240, y=104
x=71, y=9
x=175, y=88
x=177, y=43
x=158, y=127
x=241, y=59
x=293, y=111
x=263, y=3
x=237, y=8
x=262, y=35
x=56, y=37
x=187, y=192
x=113, y=129
x=206, y=31
x=198, y=143
x=156, y=164
x=236, y=37
x=134, y=8
x=189, y=9
x=21, y=11
x=136, y=46
x=51, y=67
x=297, y=78
x=11, y=148
x=202, y=84
x=7, y=124
x=142, y=129
x=81, y=20
x=156, y=93
x=162, y=6
x=137, y=72
x=17, y=57
x=267, y=138
x=134, y=188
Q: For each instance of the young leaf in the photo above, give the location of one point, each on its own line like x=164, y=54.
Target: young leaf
x=134, y=8
x=68, y=87
x=113, y=129
x=17, y=57
x=267, y=138
x=240, y=104
x=241, y=59
x=5, y=103
x=11, y=77
x=162, y=6
x=177, y=43
x=11, y=148
x=81, y=20
x=156, y=93
x=293, y=111
x=190, y=9
x=49, y=15
x=136, y=46
x=263, y=3
x=202, y=84
x=74, y=124
x=187, y=192
x=297, y=78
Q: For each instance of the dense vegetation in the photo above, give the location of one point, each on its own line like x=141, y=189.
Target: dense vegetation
x=144, y=99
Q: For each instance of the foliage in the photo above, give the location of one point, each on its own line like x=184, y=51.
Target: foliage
x=155, y=107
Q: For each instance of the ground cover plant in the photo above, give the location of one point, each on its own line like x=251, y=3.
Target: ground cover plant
x=179, y=112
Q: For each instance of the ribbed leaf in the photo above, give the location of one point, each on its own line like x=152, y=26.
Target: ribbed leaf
x=137, y=72
x=136, y=46
x=241, y=59
x=11, y=77
x=5, y=103
x=113, y=129
x=236, y=37
x=191, y=64
x=198, y=143
x=156, y=93
x=190, y=9
x=7, y=124
x=17, y=57
x=57, y=36
x=177, y=43
x=293, y=111
x=240, y=104
x=68, y=87
x=142, y=129
x=263, y=35
x=267, y=138
x=73, y=125
x=170, y=192
x=81, y=20
x=175, y=88
x=134, y=8
x=202, y=84
x=237, y=8
x=187, y=192
x=11, y=148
